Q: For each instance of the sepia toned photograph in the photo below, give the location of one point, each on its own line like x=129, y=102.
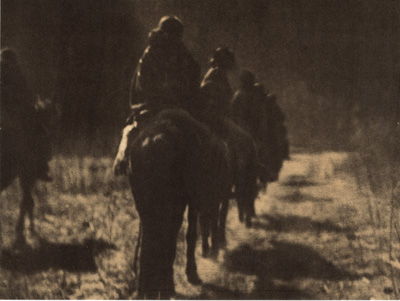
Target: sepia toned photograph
x=200, y=150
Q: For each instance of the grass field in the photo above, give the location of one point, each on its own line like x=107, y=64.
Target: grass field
x=316, y=237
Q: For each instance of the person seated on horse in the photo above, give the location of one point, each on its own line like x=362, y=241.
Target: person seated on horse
x=245, y=110
x=166, y=77
x=272, y=137
x=215, y=88
x=272, y=125
x=216, y=93
x=18, y=108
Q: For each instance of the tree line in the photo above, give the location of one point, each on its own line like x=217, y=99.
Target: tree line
x=326, y=61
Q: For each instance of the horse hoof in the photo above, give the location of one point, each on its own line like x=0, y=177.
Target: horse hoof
x=169, y=295
x=214, y=255
x=194, y=279
x=206, y=251
x=223, y=243
x=206, y=254
x=20, y=243
x=249, y=224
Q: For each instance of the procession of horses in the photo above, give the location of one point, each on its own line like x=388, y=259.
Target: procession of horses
x=188, y=145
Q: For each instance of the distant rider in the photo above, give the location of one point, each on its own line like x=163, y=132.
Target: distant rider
x=245, y=112
x=217, y=94
x=21, y=119
x=272, y=136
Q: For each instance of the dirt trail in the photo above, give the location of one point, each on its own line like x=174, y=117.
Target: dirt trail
x=312, y=240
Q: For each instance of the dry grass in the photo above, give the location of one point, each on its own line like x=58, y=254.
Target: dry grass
x=84, y=203
x=321, y=234
x=380, y=179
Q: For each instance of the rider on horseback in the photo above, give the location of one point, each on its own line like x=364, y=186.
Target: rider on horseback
x=21, y=119
x=272, y=137
x=166, y=77
x=244, y=109
x=215, y=87
x=217, y=94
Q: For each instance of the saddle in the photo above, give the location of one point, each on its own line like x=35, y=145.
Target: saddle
x=142, y=115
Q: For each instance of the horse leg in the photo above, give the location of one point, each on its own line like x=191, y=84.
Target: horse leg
x=250, y=200
x=136, y=267
x=1, y=230
x=239, y=202
x=19, y=230
x=214, y=234
x=30, y=205
x=168, y=290
x=245, y=201
x=248, y=222
x=149, y=262
x=26, y=207
x=223, y=214
x=157, y=252
x=205, y=233
x=191, y=239
x=250, y=212
x=27, y=186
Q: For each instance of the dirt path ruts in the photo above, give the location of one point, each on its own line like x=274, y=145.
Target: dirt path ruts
x=311, y=240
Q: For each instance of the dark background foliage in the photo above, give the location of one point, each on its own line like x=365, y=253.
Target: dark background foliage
x=328, y=61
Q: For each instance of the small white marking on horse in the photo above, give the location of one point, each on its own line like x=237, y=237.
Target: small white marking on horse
x=146, y=142
x=157, y=137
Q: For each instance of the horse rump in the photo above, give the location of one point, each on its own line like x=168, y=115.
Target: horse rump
x=168, y=172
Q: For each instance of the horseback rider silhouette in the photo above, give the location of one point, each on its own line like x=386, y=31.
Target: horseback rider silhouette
x=19, y=117
x=271, y=136
x=216, y=92
x=244, y=109
x=166, y=77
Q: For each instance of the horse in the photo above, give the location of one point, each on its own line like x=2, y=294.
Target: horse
x=244, y=170
x=18, y=160
x=175, y=163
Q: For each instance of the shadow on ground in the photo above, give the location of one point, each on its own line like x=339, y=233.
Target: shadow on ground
x=210, y=291
x=298, y=197
x=294, y=223
x=264, y=291
x=283, y=262
x=64, y=256
x=299, y=181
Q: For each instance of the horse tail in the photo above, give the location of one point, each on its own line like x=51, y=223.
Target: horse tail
x=137, y=250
